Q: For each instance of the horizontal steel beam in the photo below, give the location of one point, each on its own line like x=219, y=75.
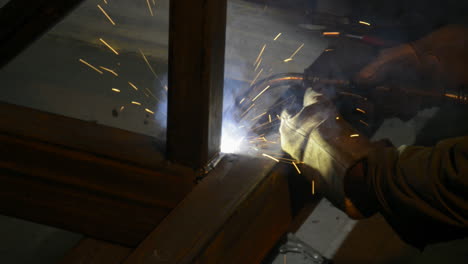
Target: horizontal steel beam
x=235, y=215
x=83, y=192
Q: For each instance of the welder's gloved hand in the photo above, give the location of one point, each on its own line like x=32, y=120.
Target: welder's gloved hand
x=439, y=57
x=327, y=145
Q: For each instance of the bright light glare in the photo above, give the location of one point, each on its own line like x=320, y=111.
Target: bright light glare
x=230, y=145
x=231, y=138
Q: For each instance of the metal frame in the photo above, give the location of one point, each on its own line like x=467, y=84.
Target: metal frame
x=54, y=176
x=234, y=216
x=96, y=183
x=196, y=80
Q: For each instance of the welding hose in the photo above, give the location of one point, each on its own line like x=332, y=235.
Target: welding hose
x=342, y=87
x=271, y=82
x=282, y=79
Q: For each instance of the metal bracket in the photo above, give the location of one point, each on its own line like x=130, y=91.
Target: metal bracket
x=295, y=245
x=203, y=172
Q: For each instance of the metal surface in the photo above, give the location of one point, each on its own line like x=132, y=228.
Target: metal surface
x=196, y=74
x=235, y=214
x=295, y=245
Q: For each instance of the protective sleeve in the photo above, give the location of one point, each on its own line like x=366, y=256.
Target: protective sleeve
x=422, y=192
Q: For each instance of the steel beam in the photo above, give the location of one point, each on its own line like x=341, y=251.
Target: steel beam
x=196, y=76
x=235, y=215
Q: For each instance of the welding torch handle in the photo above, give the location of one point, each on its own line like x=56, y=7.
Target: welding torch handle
x=349, y=87
x=375, y=41
x=447, y=96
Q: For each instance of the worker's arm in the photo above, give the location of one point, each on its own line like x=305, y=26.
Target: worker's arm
x=422, y=192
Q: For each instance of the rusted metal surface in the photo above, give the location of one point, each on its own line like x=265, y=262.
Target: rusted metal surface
x=71, y=133
x=235, y=215
x=196, y=70
x=83, y=192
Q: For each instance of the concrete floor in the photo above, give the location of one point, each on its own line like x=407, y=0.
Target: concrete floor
x=69, y=88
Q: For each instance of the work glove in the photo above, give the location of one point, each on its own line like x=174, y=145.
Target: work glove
x=326, y=144
x=435, y=65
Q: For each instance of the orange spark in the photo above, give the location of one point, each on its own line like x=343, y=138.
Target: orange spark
x=148, y=64
x=270, y=157
x=294, y=54
x=257, y=117
x=109, y=46
x=256, y=77
x=149, y=7
x=277, y=36
x=116, y=90
x=258, y=64
x=364, y=23
x=133, y=86
x=331, y=33
x=260, y=54
x=248, y=109
x=297, y=168
x=109, y=70
x=360, y=110
x=258, y=95
x=105, y=13
x=91, y=66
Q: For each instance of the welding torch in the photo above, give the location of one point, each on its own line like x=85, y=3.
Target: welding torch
x=349, y=86
x=340, y=87
x=261, y=92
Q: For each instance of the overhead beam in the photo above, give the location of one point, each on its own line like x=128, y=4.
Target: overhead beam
x=23, y=21
x=196, y=76
x=235, y=215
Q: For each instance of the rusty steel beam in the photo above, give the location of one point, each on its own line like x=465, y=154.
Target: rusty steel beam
x=109, y=142
x=196, y=76
x=79, y=191
x=235, y=215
